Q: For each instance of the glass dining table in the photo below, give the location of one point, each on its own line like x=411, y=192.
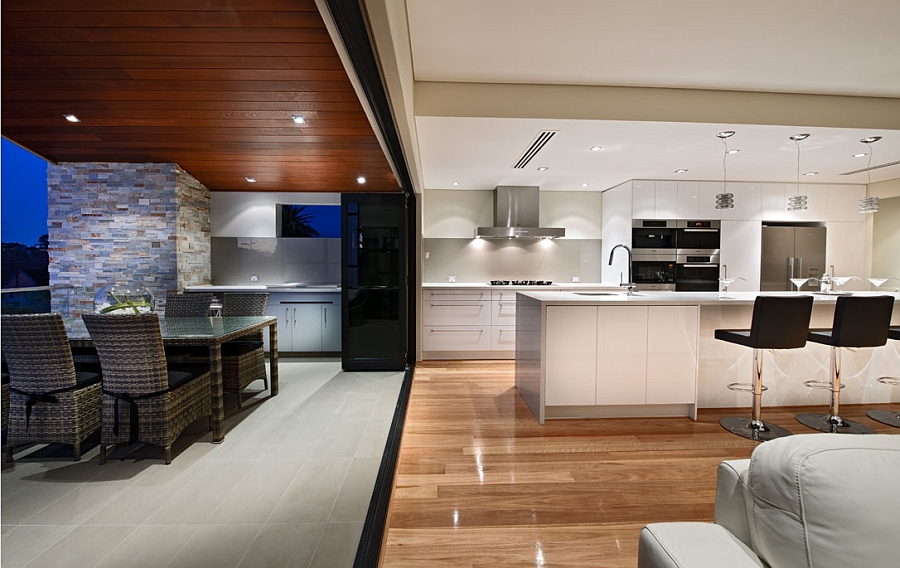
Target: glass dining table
x=209, y=332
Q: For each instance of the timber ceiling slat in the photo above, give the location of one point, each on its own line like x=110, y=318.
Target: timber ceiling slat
x=211, y=85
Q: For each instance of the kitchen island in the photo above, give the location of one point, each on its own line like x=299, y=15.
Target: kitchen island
x=599, y=354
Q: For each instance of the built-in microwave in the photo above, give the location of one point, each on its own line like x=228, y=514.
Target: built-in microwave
x=697, y=237
x=697, y=273
x=653, y=271
x=653, y=236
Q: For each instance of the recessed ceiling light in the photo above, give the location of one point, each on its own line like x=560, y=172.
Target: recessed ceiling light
x=298, y=119
x=360, y=180
x=584, y=185
x=811, y=173
x=596, y=148
x=456, y=183
x=726, y=134
x=859, y=155
x=71, y=118
x=799, y=137
x=543, y=169
x=250, y=179
x=733, y=151
x=870, y=139
x=681, y=171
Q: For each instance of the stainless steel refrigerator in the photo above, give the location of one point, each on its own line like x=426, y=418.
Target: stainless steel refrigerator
x=791, y=252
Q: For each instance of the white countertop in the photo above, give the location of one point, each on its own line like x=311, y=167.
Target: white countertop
x=552, y=287
x=676, y=298
x=271, y=288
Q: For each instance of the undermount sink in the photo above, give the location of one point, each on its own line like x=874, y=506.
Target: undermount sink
x=604, y=294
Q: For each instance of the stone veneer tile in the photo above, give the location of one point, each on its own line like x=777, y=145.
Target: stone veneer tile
x=116, y=222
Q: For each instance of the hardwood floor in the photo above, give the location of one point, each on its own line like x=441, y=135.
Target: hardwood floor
x=480, y=483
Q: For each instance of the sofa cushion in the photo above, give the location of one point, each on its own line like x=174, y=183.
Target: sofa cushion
x=698, y=545
x=825, y=500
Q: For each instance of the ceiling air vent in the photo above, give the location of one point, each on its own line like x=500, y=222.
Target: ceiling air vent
x=542, y=138
x=870, y=169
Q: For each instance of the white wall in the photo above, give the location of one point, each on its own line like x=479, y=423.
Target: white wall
x=886, y=243
x=252, y=214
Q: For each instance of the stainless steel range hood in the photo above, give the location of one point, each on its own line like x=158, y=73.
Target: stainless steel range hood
x=516, y=212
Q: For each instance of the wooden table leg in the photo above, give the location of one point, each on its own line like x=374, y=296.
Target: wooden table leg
x=215, y=385
x=273, y=358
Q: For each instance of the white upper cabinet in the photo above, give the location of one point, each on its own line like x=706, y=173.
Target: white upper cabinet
x=708, y=192
x=643, y=199
x=688, y=204
x=654, y=199
x=773, y=202
x=741, y=246
x=747, y=198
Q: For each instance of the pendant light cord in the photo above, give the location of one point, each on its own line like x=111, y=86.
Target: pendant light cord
x=724, y=166
x=797, y=144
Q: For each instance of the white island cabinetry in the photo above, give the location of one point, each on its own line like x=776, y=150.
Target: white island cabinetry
x=621, y=356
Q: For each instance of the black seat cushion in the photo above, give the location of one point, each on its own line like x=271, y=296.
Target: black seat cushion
x=5, y=377
x=86, y=378
x=894, y=333
x=739, y=336
x=182, y=374
x=779, y=322
x=239, y=347
x=859, y=321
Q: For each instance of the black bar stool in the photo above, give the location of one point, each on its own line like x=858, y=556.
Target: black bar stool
x=859, y=321
x=779, y=322
x=886, y=416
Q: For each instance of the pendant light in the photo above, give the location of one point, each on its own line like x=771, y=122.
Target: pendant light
x=869, y=204
x=798, y=202
x=725, y=200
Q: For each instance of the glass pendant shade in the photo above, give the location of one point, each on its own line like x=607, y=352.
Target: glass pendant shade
x=725, y=201
x=868, y=205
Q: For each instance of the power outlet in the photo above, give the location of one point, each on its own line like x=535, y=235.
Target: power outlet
x=254, y=278
x=451, y=279
x=576, y=279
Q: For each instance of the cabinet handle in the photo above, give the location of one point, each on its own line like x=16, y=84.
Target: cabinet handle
x=457, y=305
x=506, y=303
x=456, y=330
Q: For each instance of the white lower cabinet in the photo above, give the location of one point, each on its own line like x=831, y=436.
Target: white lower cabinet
x=570, y=355
x=307, y=323
x=672, y=336
x=620, y=355
x=456, y=320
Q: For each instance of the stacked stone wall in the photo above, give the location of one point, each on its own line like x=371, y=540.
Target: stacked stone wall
x=119, y=222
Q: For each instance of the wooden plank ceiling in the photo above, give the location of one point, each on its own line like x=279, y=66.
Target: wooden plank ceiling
x=211, y=85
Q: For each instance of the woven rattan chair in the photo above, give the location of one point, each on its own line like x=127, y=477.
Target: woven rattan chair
x=243, y=360
x=193, y=305
x=5, y=393
x=144, y=399
x=49, y=400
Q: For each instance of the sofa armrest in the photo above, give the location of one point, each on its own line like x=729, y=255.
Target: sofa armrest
x=731, y=506
x=695, y=545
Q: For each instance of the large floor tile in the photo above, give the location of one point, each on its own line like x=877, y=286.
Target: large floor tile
x=149, y=547
x=284, y=546
x=84, y=546
x=337, y=547
x=219, y=546
x=20, y=545
x=313, y=492
x=196, y=501
x=254, y=499
x=352, y=503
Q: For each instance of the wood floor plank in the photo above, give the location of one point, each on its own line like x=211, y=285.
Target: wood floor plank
x=480, y=483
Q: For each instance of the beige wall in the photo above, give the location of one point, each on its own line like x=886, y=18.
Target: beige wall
x=886, y=243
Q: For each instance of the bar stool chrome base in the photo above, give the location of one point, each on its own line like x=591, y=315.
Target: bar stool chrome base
x=753, y=430
x=885, y=417
x=832, y=424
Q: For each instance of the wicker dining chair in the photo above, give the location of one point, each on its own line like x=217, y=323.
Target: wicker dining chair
x=243, y=359
x=50, y=401
x=193, y=305
x=144, y=399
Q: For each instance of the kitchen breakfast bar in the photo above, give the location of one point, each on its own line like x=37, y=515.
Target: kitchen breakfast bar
x=604, y=354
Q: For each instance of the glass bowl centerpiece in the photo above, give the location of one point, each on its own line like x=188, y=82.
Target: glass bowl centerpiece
x=121, y=299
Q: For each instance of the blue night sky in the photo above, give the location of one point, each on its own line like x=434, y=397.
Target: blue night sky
x=23, y=195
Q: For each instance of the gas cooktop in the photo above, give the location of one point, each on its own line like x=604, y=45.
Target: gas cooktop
x=521, y=282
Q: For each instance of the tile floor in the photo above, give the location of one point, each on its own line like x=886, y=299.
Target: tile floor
x=289, y=486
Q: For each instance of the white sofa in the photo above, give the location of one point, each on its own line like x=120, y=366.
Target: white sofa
x=809, y=500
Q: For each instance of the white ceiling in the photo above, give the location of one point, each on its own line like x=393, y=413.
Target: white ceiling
x=829, y=47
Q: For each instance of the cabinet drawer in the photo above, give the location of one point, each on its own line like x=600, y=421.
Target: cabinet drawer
x=504, y=295
x=503, y=313
x=456, y=338
x=454, y=294
x=450, y=312
x=503, y=338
